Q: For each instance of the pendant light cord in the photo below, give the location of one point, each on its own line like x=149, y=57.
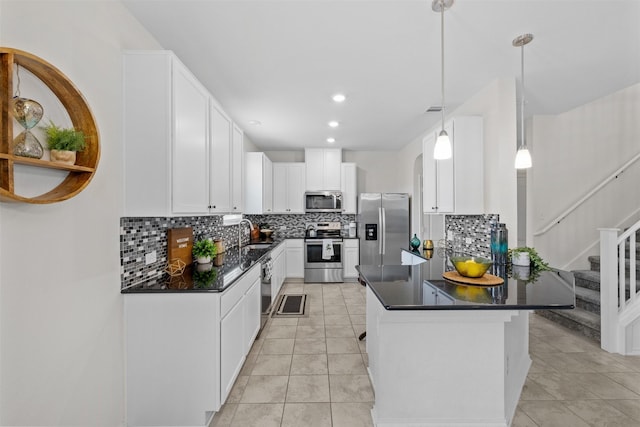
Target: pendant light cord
x=522, y=144
x=442, y=55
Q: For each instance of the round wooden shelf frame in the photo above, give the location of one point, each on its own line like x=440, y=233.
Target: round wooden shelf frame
x=87, y=160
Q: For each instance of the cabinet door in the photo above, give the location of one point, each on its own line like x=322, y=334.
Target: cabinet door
x=445, y=179
x=351, y=258
x=314, y=161
x=220, y=160
x=267, y=182
x=294, y=258
x=332, y=162
x=190, y=171
x=277, y=276
x=349, y=188
x=252, y=312
x=232, y=346
x=296, y=187
x=280, y=188
x=237, y=170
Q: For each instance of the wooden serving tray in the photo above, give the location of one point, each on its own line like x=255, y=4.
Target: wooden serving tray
x=486, y=280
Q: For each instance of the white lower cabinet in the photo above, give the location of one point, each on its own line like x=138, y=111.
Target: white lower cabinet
x=232, y=345
x=351, y=248
x=294, y=255
x=185, y=350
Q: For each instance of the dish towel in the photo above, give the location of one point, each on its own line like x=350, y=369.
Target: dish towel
x=327, y=248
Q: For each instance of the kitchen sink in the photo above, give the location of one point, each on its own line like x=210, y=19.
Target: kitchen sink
x=258, y=246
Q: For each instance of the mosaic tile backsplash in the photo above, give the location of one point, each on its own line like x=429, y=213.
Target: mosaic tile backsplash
x=475, y=231
x=139, y=236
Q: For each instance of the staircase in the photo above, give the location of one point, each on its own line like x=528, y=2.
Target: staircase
x=585, y=318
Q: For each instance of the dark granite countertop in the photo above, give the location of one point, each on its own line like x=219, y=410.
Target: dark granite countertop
x=422, y=287
x=215, y=277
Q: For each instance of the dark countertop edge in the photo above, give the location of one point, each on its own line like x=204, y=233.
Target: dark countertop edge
x=471, y=307
x=129, y=291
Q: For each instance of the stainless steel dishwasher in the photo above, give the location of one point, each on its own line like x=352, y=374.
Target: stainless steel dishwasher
x=265, y=291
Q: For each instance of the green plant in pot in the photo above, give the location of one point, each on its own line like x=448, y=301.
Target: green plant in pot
x=528, y=259
x=64, y=143
x=204, y=250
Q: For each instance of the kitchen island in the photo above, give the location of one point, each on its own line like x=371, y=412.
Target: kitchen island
x=445, y=354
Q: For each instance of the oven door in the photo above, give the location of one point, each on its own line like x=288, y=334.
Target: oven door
x=313, y=255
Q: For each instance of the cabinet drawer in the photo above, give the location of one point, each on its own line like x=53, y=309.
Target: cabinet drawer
x=231, y=296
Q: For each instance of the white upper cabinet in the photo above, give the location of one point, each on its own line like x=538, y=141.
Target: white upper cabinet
x=237, y=170
x=323, y=168
x=165, y=137
x=258, y=178
x=220, y=175
x=349, y=188
x=182, y=153
x=288, y=187
x=455, y=185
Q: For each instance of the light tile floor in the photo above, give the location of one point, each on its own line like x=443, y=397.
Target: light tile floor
x=311, y=371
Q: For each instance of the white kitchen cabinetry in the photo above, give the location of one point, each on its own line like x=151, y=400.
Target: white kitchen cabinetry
x=226, y=160
x=278, y=270
x=349, y=187
x=185, y=350
x=258, y=184
x=288, y=188
x=351, y=258
x=237, y=170
x=323, y=168
x=294, y=255
x=455, y=185
x=165, y=137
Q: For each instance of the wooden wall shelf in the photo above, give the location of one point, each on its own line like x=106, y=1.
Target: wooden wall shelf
x=82, y=172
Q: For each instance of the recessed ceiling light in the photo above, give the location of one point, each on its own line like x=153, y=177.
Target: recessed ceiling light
x=334, y=124
x=331, y=140
x=339, y=97
x=255, y=122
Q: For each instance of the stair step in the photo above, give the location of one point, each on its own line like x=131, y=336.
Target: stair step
x=594, y=262
x=588, y=279
x=579, y=320
x=588, y=300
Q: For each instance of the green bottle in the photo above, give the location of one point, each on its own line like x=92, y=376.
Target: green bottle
x=414, y=242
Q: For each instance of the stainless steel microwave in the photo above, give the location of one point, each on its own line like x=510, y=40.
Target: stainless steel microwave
x=323, y=201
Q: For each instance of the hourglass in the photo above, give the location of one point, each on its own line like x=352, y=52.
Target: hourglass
x=27, y=113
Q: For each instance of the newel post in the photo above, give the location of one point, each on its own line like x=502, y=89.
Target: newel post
x=609, y=289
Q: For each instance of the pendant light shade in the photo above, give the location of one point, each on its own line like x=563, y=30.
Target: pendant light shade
x=442, y=149
x=523, y=157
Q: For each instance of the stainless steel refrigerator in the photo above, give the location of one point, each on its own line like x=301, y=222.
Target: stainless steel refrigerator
x=383, y=227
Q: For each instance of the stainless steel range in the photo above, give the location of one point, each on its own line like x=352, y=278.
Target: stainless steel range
x=323, y=253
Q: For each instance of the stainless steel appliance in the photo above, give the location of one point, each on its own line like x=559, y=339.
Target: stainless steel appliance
x=383, y=227
x=323, y=201
x=265, y=291
x=323, y=253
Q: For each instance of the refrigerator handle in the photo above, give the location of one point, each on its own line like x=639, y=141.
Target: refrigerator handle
x=380, y=231
x=384, y=231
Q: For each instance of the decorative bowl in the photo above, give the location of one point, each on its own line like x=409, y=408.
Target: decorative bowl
x=470, y=266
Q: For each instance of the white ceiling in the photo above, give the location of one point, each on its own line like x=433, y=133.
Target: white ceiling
x=279, y=62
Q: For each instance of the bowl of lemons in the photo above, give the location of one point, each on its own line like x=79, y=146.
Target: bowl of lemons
x=471, y=266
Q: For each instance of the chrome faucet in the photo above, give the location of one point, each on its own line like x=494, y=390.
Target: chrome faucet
x=240, y=230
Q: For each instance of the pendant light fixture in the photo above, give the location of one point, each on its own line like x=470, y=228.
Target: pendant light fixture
x=523, y=157
x=442, y=149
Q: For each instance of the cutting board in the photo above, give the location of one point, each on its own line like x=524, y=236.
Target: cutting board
x=180, y=244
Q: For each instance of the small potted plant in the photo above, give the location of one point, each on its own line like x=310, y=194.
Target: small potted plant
x=64, y=143
x=204, y=250
x=526, y=256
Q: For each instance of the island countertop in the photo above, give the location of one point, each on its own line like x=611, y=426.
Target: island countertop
x=422, y=287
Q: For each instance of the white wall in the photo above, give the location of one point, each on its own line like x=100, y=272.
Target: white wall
x=61, y=336
x=378, y=171
x=573, y=152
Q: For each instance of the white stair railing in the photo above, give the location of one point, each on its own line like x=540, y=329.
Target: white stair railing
x=617, y=311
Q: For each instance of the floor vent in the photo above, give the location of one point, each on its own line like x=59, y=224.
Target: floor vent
x=292, y=305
